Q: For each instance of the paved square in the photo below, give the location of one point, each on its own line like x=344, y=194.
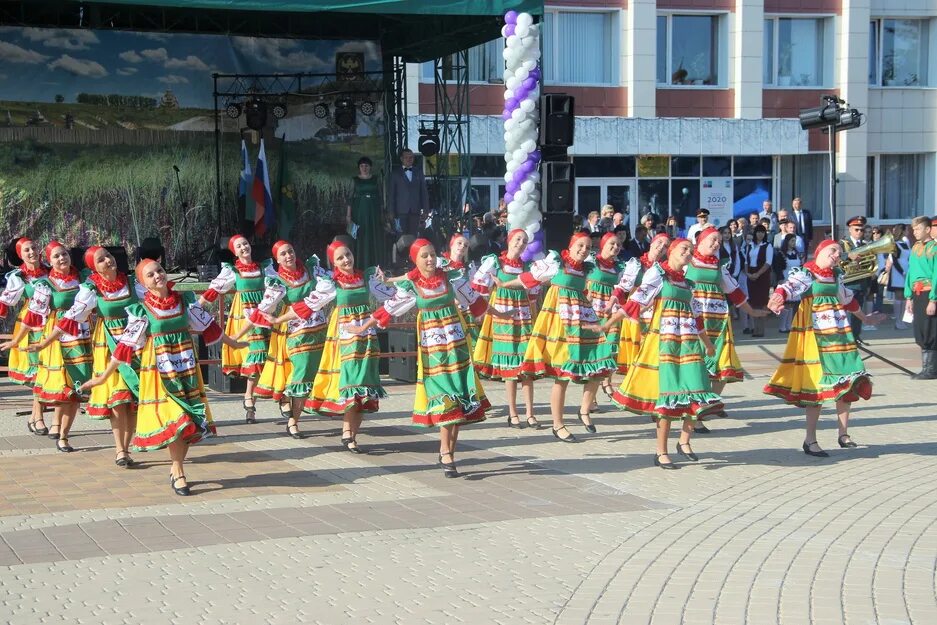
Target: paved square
x=299, y=531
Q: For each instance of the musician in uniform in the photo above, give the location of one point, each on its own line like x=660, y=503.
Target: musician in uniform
x=920, y=291
x=860, y=287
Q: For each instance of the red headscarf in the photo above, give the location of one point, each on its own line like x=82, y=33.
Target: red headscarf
x=608, y=236
x=659, y=235
x=705, y=232
x=89, y=256
x=234, y=240
x=515, y=231
x=823, y=245
x=20, y=242
x=576, y=236
x=138, y=270
x=51, y=246
x=457, y=235
x=332, y=248
x=675, y=243
x=276, y=247
x=415, y=248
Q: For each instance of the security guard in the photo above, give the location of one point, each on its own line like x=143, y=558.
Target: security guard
x=859, y=288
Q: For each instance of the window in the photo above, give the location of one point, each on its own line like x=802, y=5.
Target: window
x=689, y=50
x=602, y=166
x=901, y=51
x=903, y=186
x=797, y=52
x=806, y=176
x=485, y=63
x=580, y=48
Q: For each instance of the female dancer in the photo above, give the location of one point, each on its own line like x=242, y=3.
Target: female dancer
x=713, y=290
x=448, y=391
x=247, y=278
x=64, y=364
x=567, y=342
x=759, y=259
x=821, y=362
x=109, y=293
x=792, y=260
x=173, y=411
x=630, y=331
x=601, y=280
x=289, y=373
x=348, y=383
x=455, y=262
x=669, y=379
x=502, y=341
x=22, y=364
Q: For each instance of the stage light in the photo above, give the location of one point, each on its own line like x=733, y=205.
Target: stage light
x=428, y=143
x=279, y=110
x=368, y=108
x=233, y=110
x=849, y=119
x=345, y=114
x=256, y=113
x=820, y=117
x=321, y=110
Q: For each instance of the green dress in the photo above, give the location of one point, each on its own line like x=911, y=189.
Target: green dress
x=295, y=346
x=370, y=247
x=669, y=378
x=713, y=289
x=600, y=289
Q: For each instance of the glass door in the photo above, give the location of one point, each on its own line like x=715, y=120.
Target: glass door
x=594, y=193
x=485, y=194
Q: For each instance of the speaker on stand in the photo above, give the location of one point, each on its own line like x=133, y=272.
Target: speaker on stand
x=558, y=174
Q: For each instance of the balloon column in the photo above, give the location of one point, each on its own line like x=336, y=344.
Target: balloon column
x=521, y=120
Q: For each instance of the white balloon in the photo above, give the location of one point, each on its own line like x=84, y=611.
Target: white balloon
x=527, y=106
x=508, y=177
x=509, y=125
x=528, y=146
x=508, y=94
x=520, y=198
x=535, y=176
x=512, y=166
x=513, y=205
x=511, y=83
x=527, y=186
x=529, y=65
x=513, y=42
x=518, y=114
x=527, y=43
x=521, y=74
x=504, y=31
x=521, y=31
x=525, y=19
x=533, y=30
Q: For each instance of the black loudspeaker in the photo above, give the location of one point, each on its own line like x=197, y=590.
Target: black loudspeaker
x=557, y=228
x=559, y=185
x=117, y=251
x=217, y=381
x=401, y=368
x=557, y=119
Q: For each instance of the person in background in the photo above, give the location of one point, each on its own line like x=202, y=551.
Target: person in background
x=624, y=242
x=896, y=267
x=649, y=223
x=640, y=243
x=920, y=294
x=859, y=288
x=803, y=221
x=759, y=259
x=792, y=259
x=617, y=220
x=767, y=212
x=702, y=222
x=753, y=221
x=606, y=218
x=592, y=222
x=408, y=197
x=363, y=214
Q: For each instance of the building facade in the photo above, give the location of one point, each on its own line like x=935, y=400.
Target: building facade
x=689, y=103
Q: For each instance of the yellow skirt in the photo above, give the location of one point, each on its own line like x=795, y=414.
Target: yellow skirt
x=160, y=420
x=22, y=365
x=629, y=344
x=278, y=370
x=63, y=367
x=114, y=392
x=247, y=361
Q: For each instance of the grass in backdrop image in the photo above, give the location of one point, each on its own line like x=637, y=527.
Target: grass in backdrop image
x=89, y=142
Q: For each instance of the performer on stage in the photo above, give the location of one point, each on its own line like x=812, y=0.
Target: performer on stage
x=292, y=364
x=631, y=332
x=502, y=341
x=821, y=362
x=106, y=293
x=669, y=380
x=605, y=274
x=920, y=292
x=567, y=343
x=22, y=364
x=713, y=289
x=66, y=364
x=448, y=390
x=173, y=411
x=348, y=383
x=247, y=279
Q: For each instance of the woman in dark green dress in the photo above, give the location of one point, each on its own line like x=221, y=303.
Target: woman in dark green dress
x=364, y=211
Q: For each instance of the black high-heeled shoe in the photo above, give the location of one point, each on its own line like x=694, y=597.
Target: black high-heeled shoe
x=664, y=465
x=816, y=454
x=448, y=468
x=121, y=460
x=850, y=444
x=40, y=431
x=349, y=441
x=54, y=435
x=691, y=456
x=286, y=411
x=608, y=390
x=590, y=427
x=512, y=424
x=182, y=491
x=533, y=424
x=250, y=412
x=66, y=447
x=297, y=434
x=568, y=439
x=700, y=428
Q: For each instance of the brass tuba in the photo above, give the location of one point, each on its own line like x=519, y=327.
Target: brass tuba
x=866, y=263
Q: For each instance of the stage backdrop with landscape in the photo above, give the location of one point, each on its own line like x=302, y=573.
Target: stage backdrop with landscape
x=92, y=123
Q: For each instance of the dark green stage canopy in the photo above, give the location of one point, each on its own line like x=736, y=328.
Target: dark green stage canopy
x=418, y=30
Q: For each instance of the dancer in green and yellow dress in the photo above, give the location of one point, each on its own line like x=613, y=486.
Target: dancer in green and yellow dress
x=713, y=290
x=348, y=382
x=605, y=274
x=454, y=261
x=22, y=364
x=566, y=343
x=449, y=393
x=669, y=380
x=296, y=345
x=502, y=341
x=821, y=363
x=246, y=278
x=173, y=411
x=107, y=293
x=630, y=332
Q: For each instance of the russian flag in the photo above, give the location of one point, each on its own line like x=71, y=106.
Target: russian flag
x=264, y=217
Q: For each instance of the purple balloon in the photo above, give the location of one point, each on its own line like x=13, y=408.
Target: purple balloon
x=533, y=248
x=508, y=197
x=535, y=156
x=510, y=17
x=509, y=30
x=511, y=188
x=529, y=84
x=521, y=93
x=506, y=115
x=510, y=104
x=519, y=176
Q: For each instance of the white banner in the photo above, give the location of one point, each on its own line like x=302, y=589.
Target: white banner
x=716, y=195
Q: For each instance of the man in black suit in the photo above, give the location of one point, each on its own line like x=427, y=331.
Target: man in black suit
x=408, y=197
x=803, y=220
